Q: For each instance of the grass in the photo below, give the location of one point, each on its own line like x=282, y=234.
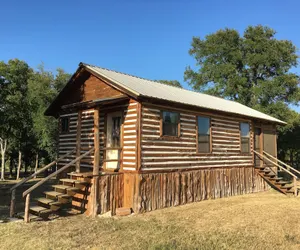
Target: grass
x=266, y=220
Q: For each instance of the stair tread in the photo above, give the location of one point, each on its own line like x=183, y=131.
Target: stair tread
x=73, y=181
x=48, y=201
x=56, y=194
x=31, y=216
x=40, y=210
x=65, y=187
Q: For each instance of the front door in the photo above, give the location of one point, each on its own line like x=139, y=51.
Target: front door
x=257, y=146
x=113, y=141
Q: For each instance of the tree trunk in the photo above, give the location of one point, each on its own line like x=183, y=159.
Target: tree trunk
x=19, y=165
x=36, y=163
x=3, y=145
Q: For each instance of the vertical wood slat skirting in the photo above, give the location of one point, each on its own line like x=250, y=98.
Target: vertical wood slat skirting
x=151, y=191
x=161, y=190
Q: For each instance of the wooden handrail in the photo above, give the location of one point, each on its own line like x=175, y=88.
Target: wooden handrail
x=288, y=166
x=40, y=170
x=29, y=190
x=277, y=165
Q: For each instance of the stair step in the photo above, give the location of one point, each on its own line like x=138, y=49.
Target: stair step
x=286, y=187
x=270, y=175
x=72, y=181
x=31, y=216
x=51, y=204
x=276, y=178
x=280, y=182
x=41, y=211
x=56, y=194
x=66, y=189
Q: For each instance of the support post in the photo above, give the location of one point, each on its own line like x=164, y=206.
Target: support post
x=295, y=187
x=95, y=181
x=78, y=140
x=12, y=203
x=26, y=215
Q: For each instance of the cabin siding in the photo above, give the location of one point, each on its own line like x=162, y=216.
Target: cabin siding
x=163, y=153
x=67, y=141
x=129, y=136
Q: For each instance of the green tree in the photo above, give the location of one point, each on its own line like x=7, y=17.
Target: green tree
x=43, y=87
x=15, y=122
x=174, y=83
x=253, y=69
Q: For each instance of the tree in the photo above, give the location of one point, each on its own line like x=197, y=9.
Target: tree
x=174, y=83
x=253, y=69
x=43, y=87
x=15, y=123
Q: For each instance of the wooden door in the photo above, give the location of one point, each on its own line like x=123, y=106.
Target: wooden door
x=113, y=141
x=257, y=146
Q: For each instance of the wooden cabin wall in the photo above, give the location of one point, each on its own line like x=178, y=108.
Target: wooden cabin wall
x=87, y=138
x=129, y=136
x=161, y=190
x=161, y=153
x=67, y=141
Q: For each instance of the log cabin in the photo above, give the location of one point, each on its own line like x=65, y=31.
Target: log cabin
x=141, y=145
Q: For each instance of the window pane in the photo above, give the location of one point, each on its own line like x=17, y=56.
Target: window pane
x=245, y=145
x=203, y=125
x=64, y=124
x=245, y=128
x=170, y=123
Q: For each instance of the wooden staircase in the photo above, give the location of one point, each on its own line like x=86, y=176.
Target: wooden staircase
x=60, y=198
x=56, y=200
x=267, y=172
x=278, y=183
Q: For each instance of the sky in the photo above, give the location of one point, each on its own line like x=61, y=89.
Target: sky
x=147, y=38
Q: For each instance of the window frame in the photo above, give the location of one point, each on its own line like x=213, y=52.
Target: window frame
x=197, y=136
x=241, y=137
x=162, y=124
x=61, y=124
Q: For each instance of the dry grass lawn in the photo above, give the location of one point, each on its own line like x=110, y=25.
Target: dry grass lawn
x=257, y=221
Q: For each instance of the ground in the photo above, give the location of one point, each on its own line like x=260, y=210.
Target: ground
x=267, y=220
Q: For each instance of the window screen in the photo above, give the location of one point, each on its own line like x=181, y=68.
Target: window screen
x=64, y=124
x=245, y=137
x=203, y=134
x=170, y=123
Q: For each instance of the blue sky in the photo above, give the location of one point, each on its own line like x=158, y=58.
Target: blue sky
x=145, y=38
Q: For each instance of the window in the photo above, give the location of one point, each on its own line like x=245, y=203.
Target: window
x=64, y=124
x=116, y=131
x=170, y=123
x=245, y=137
x=203, y=134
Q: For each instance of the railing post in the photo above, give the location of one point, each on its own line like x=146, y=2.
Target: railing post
x=78, y=140
x=95, y=180
x=26, y=215
x=12, y=203
x=295, y=187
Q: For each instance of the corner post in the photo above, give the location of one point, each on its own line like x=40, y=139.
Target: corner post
x=78, y=140
x=95, y=181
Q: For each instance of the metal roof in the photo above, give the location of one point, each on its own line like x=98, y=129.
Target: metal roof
x=153, y=89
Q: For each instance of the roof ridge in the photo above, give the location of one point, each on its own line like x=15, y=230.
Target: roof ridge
x=156, y=81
